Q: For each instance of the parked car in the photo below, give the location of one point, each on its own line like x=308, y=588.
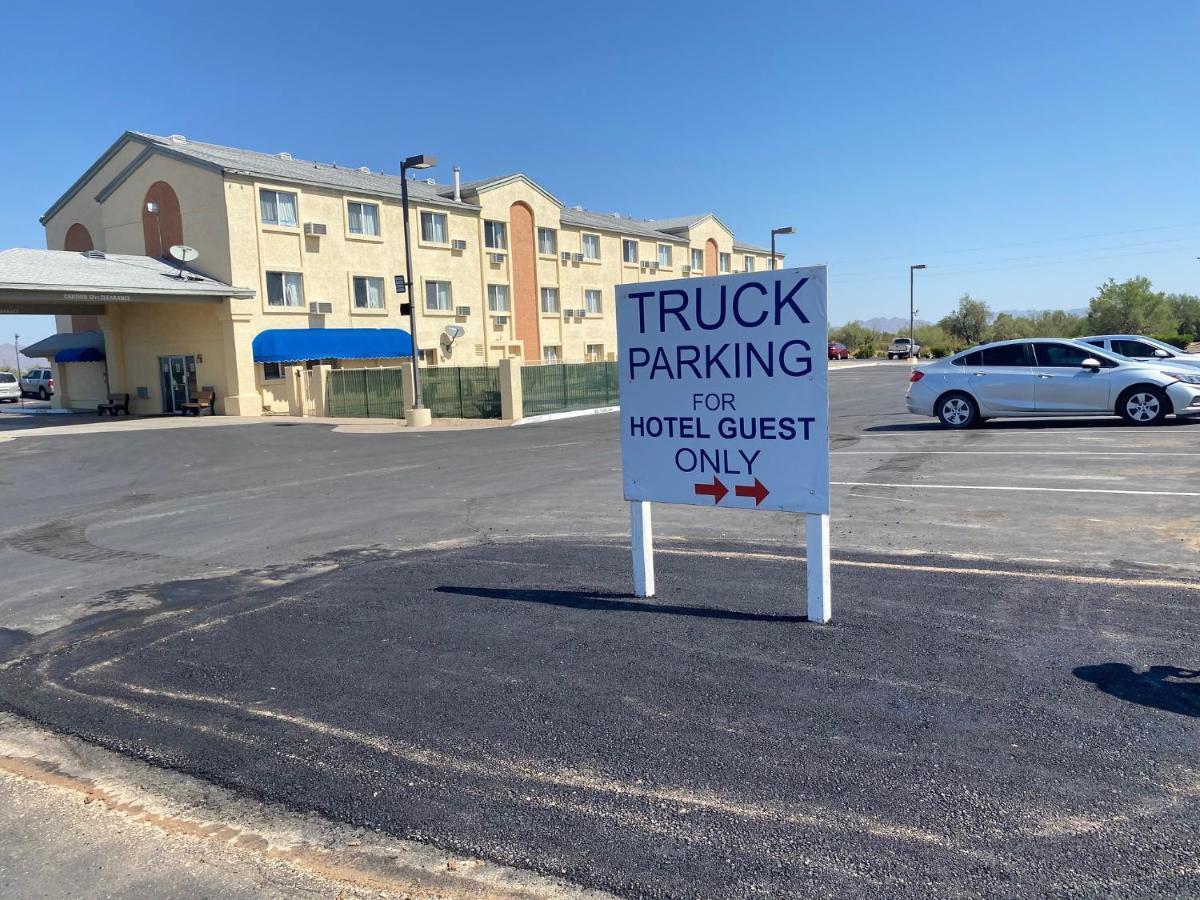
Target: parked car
x=838, y=350
x=10, y=388
x=903, y=348
x=1149, y=349
x=1050, y=377
x=38, y=383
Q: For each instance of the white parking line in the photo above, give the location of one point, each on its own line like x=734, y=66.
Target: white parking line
x=1001, y=487
x=1077, y=453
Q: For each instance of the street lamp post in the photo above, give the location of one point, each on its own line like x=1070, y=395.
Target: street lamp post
x=788, y=229
x=911, y=310
x=421, y=161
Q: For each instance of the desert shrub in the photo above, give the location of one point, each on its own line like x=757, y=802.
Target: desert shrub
x=866, y=351
x=1178, y=341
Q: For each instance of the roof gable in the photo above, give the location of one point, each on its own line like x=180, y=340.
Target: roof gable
x=490, y=184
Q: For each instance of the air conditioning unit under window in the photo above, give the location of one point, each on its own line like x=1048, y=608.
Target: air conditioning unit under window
x=321, y=308
x=315, y=229
x=577, y=257
x=583, y=313
x=687, y=270
x=496, y=259
x=500, y=321
x=645, y=264
x=458, y=245
x=462, y=310
x=566, y=256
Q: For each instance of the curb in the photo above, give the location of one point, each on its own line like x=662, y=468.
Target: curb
x=569, y=414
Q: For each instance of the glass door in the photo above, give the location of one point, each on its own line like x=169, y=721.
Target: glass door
x=178, y=381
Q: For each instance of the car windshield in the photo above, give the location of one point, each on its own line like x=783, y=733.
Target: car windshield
x=7, y=378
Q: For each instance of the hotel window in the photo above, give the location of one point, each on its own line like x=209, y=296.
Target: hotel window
x=549, y=300
x=277, y=207
x=748, y=262
x=593, y=302
x=551, y=354
x=364, y=218
x=591, y=246
x=629, y=251
x=697, y=260
x=498, y=298
x=723, y=263
x=433, y=228
x=547, y=241
x=285, y=289
x=438, y=297
x=429, y=357
x=495, y=235
x=368, y=292
x=272, y=371
x=594, y=352
x=664, y=256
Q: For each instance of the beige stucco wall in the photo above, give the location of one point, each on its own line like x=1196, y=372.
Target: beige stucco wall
x=86, y=384
x=83, y=207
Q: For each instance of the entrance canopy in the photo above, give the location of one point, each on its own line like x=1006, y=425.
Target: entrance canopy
x=65, y=282
x=289, y=345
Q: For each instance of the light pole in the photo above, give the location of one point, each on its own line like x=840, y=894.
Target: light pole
x=911, y=310
x=421, y=161
x=787, y=229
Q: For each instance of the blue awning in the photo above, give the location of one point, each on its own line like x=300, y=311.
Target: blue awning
x=284, y=345
x=79, y=354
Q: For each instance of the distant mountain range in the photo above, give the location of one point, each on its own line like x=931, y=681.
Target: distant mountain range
x=1018, y=313
x=8, y=359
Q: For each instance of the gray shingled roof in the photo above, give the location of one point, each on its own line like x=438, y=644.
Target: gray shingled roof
x=743, y=247
x=271, y=165
x=608, y=222
x=66, y=270
x=678, y=223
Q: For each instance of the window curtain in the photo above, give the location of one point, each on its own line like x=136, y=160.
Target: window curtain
x=356, y=219
x=292, y=295
x=370, y=219
x=266, y=200
x=287, y=208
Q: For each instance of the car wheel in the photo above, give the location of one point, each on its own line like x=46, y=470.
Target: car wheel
x=957, y=411
x=1143, y=405
x=42, y=393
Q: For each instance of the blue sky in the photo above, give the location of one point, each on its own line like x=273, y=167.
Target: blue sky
x=1025, y=152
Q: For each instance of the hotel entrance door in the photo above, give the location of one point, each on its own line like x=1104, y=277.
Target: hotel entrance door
x=178, y=381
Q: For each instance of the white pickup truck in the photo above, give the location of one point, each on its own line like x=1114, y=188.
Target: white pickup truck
x=903, y=348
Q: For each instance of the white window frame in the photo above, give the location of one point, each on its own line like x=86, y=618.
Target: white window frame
x=724, y=263
x=279, y=373
x=747, y=263
x=283, y=282
x=665, y=256
x=551, y=353
x=596, y=294
x=493, y=228
x=584, y=239
x=363, y=204
x=626, y=243
x=591, y=356
x=542, y=294
x=434, y=283
x=493, y=292
x=553, y=251
x=354, y=280
x=433, y=217
x=697, y=260
x=262, y=192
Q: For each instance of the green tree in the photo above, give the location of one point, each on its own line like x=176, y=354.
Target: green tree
x=969, y=322
x=1008, y=327
x=1130, y=307
x=1186, y=310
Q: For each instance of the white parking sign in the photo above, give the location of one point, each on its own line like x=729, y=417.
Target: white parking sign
x=724, y=399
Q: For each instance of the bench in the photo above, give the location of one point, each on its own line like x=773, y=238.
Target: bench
x=200, y=402
x=116, y=403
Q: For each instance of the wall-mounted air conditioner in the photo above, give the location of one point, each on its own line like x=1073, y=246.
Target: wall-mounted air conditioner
x=496, y=259
x=566, y=256
x=315, y=229
x=500, y=321
x=645, y=264
x=687, y=270
x=320, y=308
x=458, y=245
x=583, y=313
x=462, y=310
x=577, y=257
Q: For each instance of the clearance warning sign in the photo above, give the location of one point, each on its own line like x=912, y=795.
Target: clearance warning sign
x=724, y=390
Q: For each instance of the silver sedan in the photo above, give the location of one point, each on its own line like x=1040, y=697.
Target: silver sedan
x=1143, y=349
x=1050, y=377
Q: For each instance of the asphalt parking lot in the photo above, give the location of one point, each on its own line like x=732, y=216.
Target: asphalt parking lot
x=1006, y=704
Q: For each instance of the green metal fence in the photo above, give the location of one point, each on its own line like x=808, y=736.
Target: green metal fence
x=564, y=386
x=365, y=393
x=462, y=392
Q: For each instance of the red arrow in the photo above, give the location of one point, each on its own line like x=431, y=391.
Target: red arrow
x=716, y=490
x=757, y=490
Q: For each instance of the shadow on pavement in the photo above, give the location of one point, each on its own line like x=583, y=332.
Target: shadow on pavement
x=598, y=602
x=1149, y=688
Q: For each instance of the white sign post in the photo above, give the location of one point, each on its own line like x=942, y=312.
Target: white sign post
x=725, y=402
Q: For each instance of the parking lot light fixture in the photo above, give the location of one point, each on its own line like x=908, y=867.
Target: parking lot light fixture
x=420, y=161
x=911, y=310
x=787, y=229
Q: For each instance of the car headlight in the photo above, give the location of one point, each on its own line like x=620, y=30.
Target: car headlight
x=1185, y=377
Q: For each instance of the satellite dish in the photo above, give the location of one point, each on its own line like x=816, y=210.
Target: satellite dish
x=184, y=253
x=455, y=331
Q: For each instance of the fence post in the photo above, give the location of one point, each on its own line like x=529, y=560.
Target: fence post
x=512, y=398
x=406, y=384
x=295, y=390
x=320, y=388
